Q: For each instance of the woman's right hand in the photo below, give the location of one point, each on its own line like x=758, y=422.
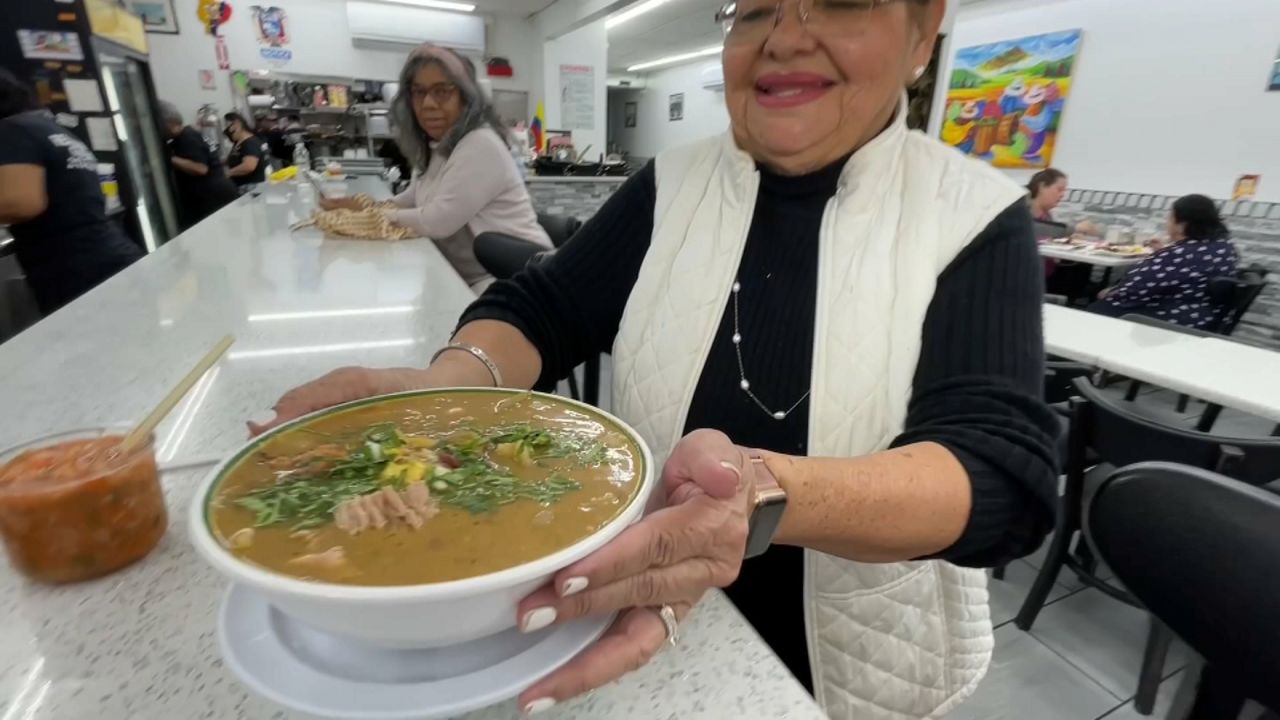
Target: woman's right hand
x=339, y=386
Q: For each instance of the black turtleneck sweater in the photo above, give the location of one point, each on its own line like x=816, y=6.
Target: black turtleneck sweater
x=976, y=390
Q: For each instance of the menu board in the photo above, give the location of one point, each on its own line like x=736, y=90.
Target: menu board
x=577, y=97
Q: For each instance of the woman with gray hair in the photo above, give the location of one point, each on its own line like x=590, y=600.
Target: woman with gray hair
x=202, y=183
x=465, y=181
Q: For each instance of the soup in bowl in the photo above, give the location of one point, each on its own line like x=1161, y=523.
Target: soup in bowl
x=420, y=519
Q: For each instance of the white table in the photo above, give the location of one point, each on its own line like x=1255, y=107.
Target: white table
x=1214, y=369
x=139, y=644
x=1105, y=260
x=1089, y=256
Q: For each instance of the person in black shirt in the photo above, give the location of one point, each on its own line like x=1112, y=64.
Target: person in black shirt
x=884, y=296
x=271, y=130
x=52, y=200
x=247, y=161
x=203, y=186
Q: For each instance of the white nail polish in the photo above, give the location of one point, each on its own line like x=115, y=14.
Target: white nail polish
x=540, y=705
x=573, y=586
x=536, y=619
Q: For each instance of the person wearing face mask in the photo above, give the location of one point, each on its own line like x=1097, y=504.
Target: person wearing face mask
x=465, y=180
x=247, y=161
x=203, y=186
x=828, y=329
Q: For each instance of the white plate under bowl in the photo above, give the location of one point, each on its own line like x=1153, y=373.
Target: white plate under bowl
x=335, y=678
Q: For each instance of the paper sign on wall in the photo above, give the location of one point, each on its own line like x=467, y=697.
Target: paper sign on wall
x=272, y=24
x=207, y=80
x=102, y=136
x=83, y=95
x=578, y=97
x=220, y=52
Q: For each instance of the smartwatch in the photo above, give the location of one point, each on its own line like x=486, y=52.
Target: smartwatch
x=766, y=514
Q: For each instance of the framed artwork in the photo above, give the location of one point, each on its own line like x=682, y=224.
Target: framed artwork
x=1005, y=100
x=158, y=16
x=1275, y=74
x=629, y=112
x=675, y=107
x=1246, y=187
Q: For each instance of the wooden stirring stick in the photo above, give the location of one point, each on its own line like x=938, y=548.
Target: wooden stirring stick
x=149, y=423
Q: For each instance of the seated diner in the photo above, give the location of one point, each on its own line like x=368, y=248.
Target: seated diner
x=465, y=181
x=1173, y=284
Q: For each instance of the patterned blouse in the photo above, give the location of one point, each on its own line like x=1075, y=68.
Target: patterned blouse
x=1173, y=284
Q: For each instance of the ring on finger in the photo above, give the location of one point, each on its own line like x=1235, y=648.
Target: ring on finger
x=668, y=616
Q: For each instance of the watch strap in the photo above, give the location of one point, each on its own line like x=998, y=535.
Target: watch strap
x=766, y=513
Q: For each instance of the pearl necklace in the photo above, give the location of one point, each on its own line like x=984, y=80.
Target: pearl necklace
x=742, y=373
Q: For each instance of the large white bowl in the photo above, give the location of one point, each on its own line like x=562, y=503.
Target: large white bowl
x=410, y=616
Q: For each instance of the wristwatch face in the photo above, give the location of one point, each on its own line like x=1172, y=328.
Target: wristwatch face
x=771, y=501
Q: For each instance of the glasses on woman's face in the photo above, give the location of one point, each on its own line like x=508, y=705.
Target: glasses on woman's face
x=440, y=93
x=751, y=21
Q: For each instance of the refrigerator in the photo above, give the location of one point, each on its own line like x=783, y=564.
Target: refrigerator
x=88, y=64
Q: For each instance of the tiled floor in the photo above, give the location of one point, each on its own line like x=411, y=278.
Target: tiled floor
x=1081, y=659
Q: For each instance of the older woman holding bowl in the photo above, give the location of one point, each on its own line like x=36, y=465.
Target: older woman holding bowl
x=465, y=180
x=831, y=328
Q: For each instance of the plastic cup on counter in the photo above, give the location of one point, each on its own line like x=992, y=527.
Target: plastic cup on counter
x=73, y=506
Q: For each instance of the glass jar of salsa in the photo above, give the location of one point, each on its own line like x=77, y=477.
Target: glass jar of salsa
x=73, y=506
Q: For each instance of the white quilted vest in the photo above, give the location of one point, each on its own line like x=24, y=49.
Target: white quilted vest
x=886, y=641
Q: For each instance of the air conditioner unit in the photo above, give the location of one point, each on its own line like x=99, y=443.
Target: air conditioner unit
x=374, y=24
x=712, y=77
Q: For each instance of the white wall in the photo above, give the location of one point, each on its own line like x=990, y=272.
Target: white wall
x=1168, y=96
x=704, y=111
x=321, y=45
x=588, y=45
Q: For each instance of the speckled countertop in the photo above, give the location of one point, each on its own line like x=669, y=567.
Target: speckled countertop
x=140, y=644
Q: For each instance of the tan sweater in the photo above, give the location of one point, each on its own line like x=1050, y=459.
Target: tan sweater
x=476, y=189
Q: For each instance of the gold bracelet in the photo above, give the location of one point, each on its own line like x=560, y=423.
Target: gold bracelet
x=476, y=353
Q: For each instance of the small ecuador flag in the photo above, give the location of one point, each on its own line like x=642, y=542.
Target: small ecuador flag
x=536, y=128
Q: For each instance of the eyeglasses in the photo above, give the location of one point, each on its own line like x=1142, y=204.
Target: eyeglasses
x=751, y=21
x=440, y=93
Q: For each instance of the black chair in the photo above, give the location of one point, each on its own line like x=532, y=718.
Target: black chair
x=559, y=227
x=503, y=256
x=1060, y=380
x=1199, y=550
x=1116, y=436
x=1236, y=296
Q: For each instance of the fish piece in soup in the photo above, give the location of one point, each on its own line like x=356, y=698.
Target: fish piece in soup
x=385, y=506
x=335, y=558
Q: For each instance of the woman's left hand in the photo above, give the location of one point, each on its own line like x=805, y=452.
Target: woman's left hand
x=670, y=557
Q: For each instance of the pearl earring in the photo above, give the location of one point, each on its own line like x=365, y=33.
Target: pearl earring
x=919, y=72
